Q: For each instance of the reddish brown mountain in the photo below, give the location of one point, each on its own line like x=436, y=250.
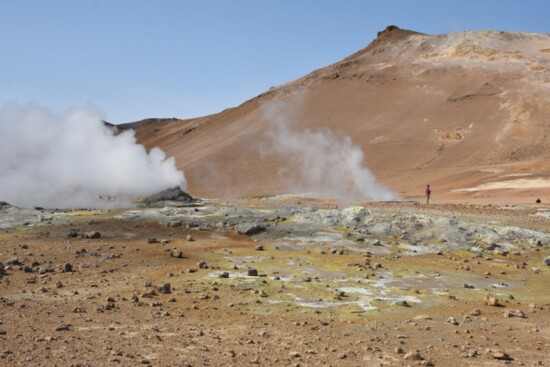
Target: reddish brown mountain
x=468, y=113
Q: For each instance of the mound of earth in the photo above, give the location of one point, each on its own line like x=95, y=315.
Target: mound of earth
x=173, y=194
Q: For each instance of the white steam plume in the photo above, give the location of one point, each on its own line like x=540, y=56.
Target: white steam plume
x=75, y=161
x=318, y=161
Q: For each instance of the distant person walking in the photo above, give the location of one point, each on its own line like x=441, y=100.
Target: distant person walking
x=428, y=193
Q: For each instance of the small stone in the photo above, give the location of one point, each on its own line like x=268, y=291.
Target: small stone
x=177, y=253
x=202, y=264
x=452, y=321
x=413, y=355
x=59, y=284
x=547, y=261
x=250, y=229
x=67, y=268
x=92, y=235
x=189, y=238
x=259, y=248
x=252, y=272
x=72, y=233
x=62, y=327
x=475, y=312
x=165, y=288
x=151, y=240
x=501, y=356
x=13, y=261
x=514, y=313
x=224, y=274
x=174, y=223
x=491, y=301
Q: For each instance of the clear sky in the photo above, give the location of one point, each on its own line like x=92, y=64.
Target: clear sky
x=142, y=58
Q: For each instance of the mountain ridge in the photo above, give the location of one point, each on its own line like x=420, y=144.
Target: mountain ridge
x=444, y=109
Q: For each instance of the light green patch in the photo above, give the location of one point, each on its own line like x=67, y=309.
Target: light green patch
x=465, y=48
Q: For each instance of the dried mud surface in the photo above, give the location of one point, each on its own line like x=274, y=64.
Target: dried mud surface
x=364, y=285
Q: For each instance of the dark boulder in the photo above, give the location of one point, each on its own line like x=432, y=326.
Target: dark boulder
x=171, y=194
x=250, y=229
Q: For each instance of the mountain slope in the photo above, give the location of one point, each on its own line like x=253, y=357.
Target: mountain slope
x=466, y=112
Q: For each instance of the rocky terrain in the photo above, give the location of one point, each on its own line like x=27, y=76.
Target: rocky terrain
x=275, y=281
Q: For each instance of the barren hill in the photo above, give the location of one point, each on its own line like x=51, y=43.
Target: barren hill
x=468, y=113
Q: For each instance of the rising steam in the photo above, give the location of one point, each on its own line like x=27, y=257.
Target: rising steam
x=318, y=161
x=74, y=160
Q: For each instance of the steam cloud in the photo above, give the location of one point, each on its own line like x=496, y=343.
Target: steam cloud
x=318, y=161
x=75, y=161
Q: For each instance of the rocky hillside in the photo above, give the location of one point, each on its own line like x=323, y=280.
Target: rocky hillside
x=468, y=113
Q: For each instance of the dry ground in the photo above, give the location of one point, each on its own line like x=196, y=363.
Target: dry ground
x=108, y=311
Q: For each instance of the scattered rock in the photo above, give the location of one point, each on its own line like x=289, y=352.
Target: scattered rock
x=475, y=312
x=252, y=272
x=259, y=248
x=165, y=288
x=452, y=321
x=250, y=229
x=174, y=223
x=202, y=264
x=514, y=313
x=501, y=356
x=177, y=253
x=189, y=238
x=72, y=233
x=413, y=355
x=92, y=234
x=151, y=240
x=224, y=274
x=62, y=327
x=171, y=194
x=13, y=261
x=402, y=303
x=547, y=261
x=492, y=301
x=67, y=268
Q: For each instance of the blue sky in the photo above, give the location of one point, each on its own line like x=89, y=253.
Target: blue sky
x=138, y=59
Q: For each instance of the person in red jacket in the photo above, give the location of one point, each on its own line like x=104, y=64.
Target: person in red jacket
x=428, y=193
